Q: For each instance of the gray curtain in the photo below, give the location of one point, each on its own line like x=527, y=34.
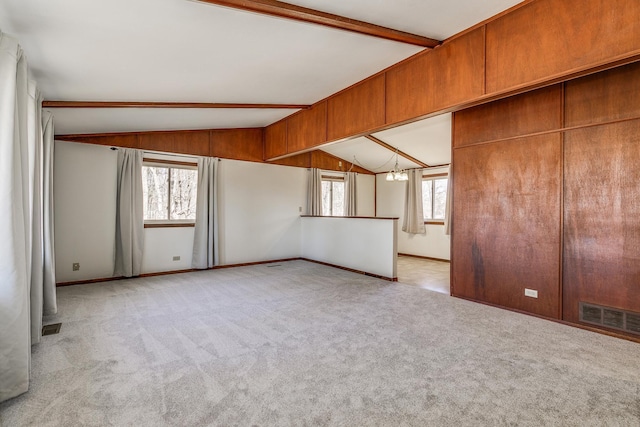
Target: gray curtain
x=413, y=214
x=15, y=339
x=25, y=281
x=205, y=239
x=129, y=214
x=49, y=302
x=314, y=192
x=34, y=124
x=350, y=204
x=448, y=213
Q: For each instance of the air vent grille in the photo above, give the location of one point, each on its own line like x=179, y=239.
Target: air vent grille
x=51, y=329
x=609, y=317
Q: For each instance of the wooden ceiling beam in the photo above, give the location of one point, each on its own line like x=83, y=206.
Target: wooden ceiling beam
x=127, y=104
x=299, y=13
x=400, y=153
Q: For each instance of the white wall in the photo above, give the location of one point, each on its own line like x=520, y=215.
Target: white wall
x=84, y=209
x=366, y=195
x=259, y=214
x=390, y=203
x=260, y=211
x=362, y=244
x=162, y=244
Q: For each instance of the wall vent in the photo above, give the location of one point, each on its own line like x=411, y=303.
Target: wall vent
x=609, y=317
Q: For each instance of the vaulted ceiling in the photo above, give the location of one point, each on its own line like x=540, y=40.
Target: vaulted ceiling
x=188, y=51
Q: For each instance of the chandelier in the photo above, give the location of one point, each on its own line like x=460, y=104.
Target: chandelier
x=397, y=174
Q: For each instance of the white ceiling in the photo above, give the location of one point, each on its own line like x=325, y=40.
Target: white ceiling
x=427, y=140
x=437, y=19
x=99, y=120
x=185, y=51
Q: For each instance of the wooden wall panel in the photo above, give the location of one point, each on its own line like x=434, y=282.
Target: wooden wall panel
x=183, y=142
x=444, y=77
x=125, y=140
x=532, y=112
x=607, y=96
x=506, y=221
x=547, y=38
x=323, y=160
x=307, y=129
x=358, y=109
x=602, y=217
x=237, y=144
x=299, y=160
x=275, y=140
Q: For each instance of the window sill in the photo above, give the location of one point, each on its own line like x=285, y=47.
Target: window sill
x=170, y=225
x=436, y=222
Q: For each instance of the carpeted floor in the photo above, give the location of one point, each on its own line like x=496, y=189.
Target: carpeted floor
x=303, y=344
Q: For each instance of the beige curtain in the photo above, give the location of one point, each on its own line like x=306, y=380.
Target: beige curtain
x=413, y=214
x=205, y=239
x=314, y=192
x=448, y=212
x=129, y=214
x=350, y=204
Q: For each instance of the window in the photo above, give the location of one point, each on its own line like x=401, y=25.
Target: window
x=434, y=196
x=332, y=196
x=169, y=192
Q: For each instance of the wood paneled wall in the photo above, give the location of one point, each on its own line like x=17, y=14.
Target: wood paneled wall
x=546, y=197
x=537, y=43
x=236, y=144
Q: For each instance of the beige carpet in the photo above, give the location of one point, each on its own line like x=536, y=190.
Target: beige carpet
x=304, y=344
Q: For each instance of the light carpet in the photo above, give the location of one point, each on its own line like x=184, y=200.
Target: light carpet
x=303, y=344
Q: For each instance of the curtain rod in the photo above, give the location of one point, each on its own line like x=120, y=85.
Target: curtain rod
x=164, y=153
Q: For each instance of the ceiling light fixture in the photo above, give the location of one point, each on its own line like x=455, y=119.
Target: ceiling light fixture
x=397, y=174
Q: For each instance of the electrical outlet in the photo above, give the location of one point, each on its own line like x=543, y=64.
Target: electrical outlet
x=76, y=266
x=176, y=258
x=300, y=209
x=530, y=293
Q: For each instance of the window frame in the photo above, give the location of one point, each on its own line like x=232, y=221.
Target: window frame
x=169, y=164
x=332, y=178
x=433, y=178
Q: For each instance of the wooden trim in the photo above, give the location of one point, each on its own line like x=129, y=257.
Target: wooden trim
x=299, y=13
x=146, y=132
x=434, y=222
x=332, y=178
x=351, y=217
x=164, y=273
x=247, y=264
x=425, y=257
x=169, y=224
x=395, y=150
x=435, y=175
x=390, y=279
x=602, y=331
x=168, y=162
x=136, y=104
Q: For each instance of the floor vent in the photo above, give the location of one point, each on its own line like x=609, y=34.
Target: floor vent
x=51, y=329
x=609, y=317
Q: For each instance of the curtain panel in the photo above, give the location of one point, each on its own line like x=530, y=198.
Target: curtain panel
x=205, y=239
x=314, y=192
x=129, y=214
x=350, y=195
x=413, y=213
x=24, y=208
